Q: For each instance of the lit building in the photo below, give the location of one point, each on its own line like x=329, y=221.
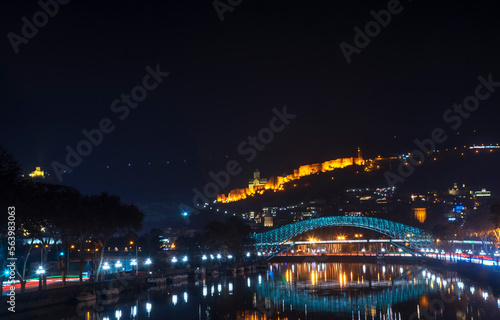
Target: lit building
x=420, y=214
x=459, y=191
x=268, y=220
x=482, y=193
x=257, y=180
x=37, y=174
x=276, y=183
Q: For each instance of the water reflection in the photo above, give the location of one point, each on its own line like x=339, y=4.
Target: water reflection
x=308, y=291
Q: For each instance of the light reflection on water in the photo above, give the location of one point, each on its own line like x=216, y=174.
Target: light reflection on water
x=312, y=291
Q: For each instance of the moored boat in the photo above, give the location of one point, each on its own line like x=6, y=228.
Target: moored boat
x=85, y=296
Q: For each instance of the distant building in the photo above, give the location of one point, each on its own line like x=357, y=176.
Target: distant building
x=482, y=193
x=37, y=174
x=420, y=214
x=268, y=220
x=459, y=191
x=257, y=180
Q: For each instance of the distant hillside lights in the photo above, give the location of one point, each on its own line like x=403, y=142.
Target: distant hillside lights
x=277, y=183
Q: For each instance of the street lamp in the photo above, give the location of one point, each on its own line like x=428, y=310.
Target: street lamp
x=136, y=259
x=148, y=262
x=40, y=272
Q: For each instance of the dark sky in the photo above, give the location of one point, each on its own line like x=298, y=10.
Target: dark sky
x=226, y=78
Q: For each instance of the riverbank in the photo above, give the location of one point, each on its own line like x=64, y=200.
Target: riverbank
x=54, y=296
x=32, y=301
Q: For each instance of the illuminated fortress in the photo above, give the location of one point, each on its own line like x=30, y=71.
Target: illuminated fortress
x=258, y=185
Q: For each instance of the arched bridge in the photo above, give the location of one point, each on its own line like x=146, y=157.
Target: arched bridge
x=416, y=238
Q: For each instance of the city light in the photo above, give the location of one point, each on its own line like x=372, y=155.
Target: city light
x=174, y=259
x=248, y=254
x=218, y=256
x=229, y=256
x=133, y=311
x=133, y=263
x=106, y=266
x=204, y=257
x=185, y=259
x=118, y=264
x=148, y=261
x=40, y=270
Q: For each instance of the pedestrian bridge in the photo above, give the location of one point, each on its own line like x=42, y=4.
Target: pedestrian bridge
x=415, y=238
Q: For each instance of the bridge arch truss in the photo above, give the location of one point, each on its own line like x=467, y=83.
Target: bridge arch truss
x=416, y=238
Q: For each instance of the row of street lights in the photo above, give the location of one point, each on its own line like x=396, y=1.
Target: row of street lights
x=118, y=264
x=205, y=257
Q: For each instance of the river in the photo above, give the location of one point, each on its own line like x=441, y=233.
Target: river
x=305, y=291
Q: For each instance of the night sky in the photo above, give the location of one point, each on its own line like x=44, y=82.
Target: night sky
x=226, y=77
